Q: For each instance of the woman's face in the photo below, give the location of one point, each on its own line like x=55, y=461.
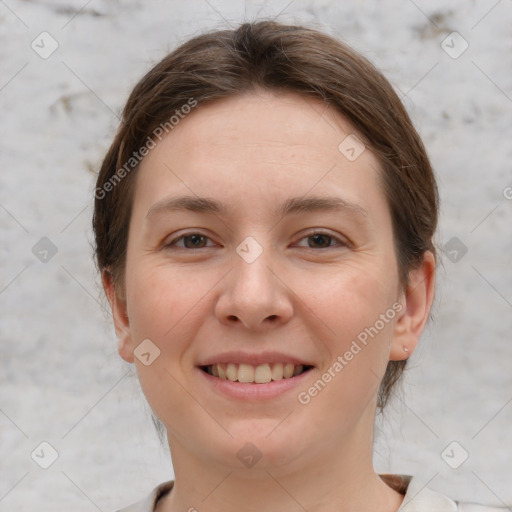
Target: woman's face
x=281, y=255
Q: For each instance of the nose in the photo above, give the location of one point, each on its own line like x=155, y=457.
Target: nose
x=254, y=295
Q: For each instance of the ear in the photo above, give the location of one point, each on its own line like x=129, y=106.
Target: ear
x=120, y=316
x=416, y=303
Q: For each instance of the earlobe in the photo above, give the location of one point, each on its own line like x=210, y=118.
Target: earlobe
x=416, y=303
x=120, y=317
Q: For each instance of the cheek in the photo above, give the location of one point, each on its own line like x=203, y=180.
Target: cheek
x=165, y=307
x=162, y=299
x=352, y=304
x=348, y=299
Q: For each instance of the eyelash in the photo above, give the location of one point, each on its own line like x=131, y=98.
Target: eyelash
x=341, y=243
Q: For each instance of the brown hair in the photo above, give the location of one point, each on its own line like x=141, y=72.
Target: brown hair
x=272, y=56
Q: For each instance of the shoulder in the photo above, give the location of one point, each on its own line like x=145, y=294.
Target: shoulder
x=419, y=498
x=148, y=503
x=473, y=507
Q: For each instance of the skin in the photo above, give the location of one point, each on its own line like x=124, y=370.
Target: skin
x=253, y=152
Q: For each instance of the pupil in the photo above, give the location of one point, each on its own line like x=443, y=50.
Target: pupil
x=316, y=239
x=195, y=239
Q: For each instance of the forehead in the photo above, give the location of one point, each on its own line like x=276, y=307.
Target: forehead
x=262, y=144
x=277, y=122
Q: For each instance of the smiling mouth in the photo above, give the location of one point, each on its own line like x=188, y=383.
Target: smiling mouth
x=261, y=374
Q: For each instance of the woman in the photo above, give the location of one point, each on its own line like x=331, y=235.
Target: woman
x=264, y=223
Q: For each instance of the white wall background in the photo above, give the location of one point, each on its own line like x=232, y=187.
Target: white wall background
x=61, y=380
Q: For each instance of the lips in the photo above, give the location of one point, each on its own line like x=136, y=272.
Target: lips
x=259, y=374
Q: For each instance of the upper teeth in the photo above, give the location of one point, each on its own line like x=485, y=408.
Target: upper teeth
x=259, y=374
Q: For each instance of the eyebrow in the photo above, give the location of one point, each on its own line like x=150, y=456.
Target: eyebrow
x=294, y=205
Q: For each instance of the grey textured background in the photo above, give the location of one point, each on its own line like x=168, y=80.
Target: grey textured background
x=61, y=380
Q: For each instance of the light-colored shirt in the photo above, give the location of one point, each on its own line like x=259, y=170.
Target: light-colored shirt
x=417, y=498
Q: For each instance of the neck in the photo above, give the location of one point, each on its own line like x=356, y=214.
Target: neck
x=329, y=478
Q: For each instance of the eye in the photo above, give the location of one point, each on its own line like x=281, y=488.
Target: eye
x=322, y=240
x=315, y=240
x=190, y=241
